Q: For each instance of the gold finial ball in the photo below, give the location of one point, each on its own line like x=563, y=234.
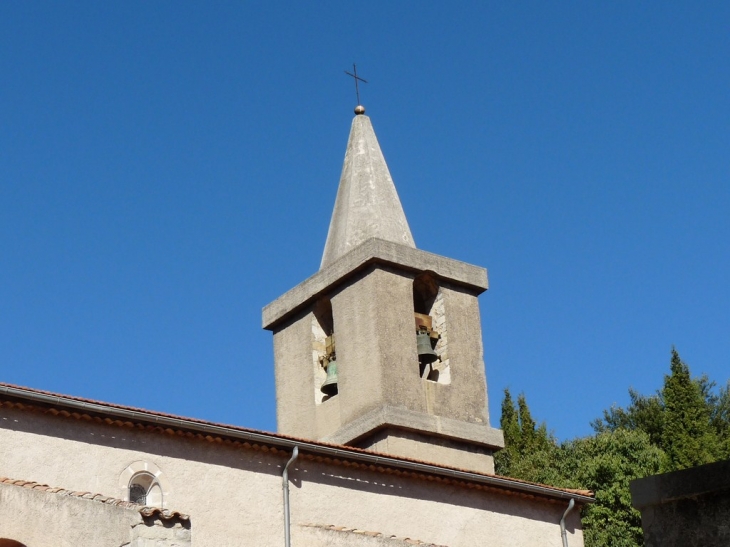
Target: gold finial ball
x=359, y=109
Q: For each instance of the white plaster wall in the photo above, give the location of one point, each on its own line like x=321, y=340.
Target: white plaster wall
x=37, y=518
x=234, y=497
x=226, y=490
x=423, y=510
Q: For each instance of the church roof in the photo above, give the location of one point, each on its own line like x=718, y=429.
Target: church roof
x=78, y=408
x=367, y=203
x=144, y=510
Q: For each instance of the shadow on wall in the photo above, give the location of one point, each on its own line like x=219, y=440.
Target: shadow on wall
x=4, y=542
x=455, y=494
x=144, y=442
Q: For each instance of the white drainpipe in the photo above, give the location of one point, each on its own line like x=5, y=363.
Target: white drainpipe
x=563, y=532
x=285, y=479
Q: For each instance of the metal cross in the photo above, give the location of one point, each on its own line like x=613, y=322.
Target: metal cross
x=356, y=78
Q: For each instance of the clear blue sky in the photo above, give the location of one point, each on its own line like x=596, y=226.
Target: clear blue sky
x=169, y=168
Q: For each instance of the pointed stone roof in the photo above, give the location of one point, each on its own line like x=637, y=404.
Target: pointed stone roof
x=367, y=203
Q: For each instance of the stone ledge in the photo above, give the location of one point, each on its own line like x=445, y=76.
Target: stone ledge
x=373, y=251
x=687, y=483
x=448, y=428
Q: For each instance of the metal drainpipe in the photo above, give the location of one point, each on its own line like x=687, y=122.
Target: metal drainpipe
x=563, y=532
x=285, y=479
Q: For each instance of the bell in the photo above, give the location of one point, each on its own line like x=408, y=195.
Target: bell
x=426, y=354
x=329, y=387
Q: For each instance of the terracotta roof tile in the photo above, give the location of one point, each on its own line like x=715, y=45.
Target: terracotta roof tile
x=149, y=416
x=145, y=510
x=344, y=529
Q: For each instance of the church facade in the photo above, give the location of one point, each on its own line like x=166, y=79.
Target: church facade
x=384, y=434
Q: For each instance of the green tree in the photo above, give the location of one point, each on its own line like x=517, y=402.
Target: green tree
x=644, y=413
x=688, y=419
x=510, y=425
x=530, y=452
x=685, y=423
x=688, y=438
x=528, y=427
x=605, y=464
x=720, y=420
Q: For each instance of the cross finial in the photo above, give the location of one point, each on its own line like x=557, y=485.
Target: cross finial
x=358, y=109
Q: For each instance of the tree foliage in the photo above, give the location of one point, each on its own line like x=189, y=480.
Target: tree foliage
x=686, y=419
x=606, y=463
x=720, y=420
x=529, y=449
x=644, y=413
x=688, y=438
x=685, y=423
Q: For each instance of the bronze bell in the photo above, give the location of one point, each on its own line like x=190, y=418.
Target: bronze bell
x=329, y=387
x=426, y=354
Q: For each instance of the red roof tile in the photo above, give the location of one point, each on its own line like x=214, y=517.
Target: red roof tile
x=345, y=529
x=148, y=418
x=145, y=510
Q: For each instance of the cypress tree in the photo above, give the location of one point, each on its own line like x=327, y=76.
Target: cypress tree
x=530, y=451
x=509, y=421
x=527, y=424
x=505, y=459
x=687, y=436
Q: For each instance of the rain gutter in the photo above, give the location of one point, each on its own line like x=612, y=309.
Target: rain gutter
x=290, y=444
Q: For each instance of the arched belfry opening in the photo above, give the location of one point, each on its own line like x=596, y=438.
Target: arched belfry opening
x=430, y=324
x=425, y=290
x=324, y=356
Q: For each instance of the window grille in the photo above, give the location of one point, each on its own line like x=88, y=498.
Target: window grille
x=138, y=494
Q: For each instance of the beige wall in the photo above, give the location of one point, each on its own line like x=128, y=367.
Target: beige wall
x=234, y=497
x=378, y=374
x=37, y=518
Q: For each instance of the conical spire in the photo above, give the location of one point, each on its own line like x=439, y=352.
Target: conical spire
x=367, y=203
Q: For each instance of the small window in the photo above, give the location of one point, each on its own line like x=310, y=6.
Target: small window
x=144, y=483
x=145, y=490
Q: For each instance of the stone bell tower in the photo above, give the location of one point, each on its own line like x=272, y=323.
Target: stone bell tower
x=382, y=349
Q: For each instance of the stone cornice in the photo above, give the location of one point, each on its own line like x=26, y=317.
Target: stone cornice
x=373, y=251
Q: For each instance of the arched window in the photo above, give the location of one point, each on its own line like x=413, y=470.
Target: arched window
x=145, y=490
x=5, y=542
x=142, y=482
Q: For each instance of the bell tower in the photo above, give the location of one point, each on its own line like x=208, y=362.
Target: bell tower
x=382, y=349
